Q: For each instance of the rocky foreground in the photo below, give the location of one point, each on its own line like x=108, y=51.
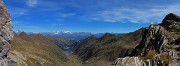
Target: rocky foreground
x=6, y=35
x=160, y=45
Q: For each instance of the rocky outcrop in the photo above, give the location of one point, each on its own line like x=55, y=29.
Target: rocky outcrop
x=136, y=61
x=6, y=34
x=154, y=38
x=160, y=45
x=161, y=38
x=171, y=22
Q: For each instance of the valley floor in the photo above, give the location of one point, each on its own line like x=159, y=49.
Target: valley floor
x=74, y=61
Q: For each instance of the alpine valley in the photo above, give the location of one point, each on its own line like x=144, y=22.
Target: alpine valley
x=156, y=45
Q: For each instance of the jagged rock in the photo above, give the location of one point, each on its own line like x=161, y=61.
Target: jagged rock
x=175, y=56
x=164, y=39
x=154, y=38
x=161, y=38
x=130, y=61
x=136, y=61
x=171, y=22
x=6, y=34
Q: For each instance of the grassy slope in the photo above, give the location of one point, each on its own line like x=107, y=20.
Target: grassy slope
x=36, y=50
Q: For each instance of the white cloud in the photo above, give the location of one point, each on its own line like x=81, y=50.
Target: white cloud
x=58, y=24
x=32, y=3
x=19, y=23
x=19, y=12
x=135, y=15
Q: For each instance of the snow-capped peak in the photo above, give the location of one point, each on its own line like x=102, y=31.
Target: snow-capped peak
x=17, y=31
x=69, y=32
x=57, y=32
x=64, y=32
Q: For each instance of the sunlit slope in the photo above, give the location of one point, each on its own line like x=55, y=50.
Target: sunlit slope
x=37, y=50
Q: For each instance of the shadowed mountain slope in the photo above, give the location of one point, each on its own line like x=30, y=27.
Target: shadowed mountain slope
x=107, y=48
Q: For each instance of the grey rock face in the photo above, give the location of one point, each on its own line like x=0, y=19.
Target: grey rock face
x=154, y=38
x=6, y=34
x=136, y=61
x=164, y=39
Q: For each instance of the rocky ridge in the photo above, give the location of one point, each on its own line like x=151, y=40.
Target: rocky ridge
x=6, y=34
x=160, y=45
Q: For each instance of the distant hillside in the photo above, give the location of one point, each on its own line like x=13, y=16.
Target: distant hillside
x=107, y=48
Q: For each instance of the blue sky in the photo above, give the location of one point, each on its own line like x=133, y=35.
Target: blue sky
x=96, y=16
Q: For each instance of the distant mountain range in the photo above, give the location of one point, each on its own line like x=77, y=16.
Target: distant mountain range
x=71, y=35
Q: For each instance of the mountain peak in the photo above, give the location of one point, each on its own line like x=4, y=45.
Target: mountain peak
x=171, y=22
x=108, y=35
x=172, y=16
